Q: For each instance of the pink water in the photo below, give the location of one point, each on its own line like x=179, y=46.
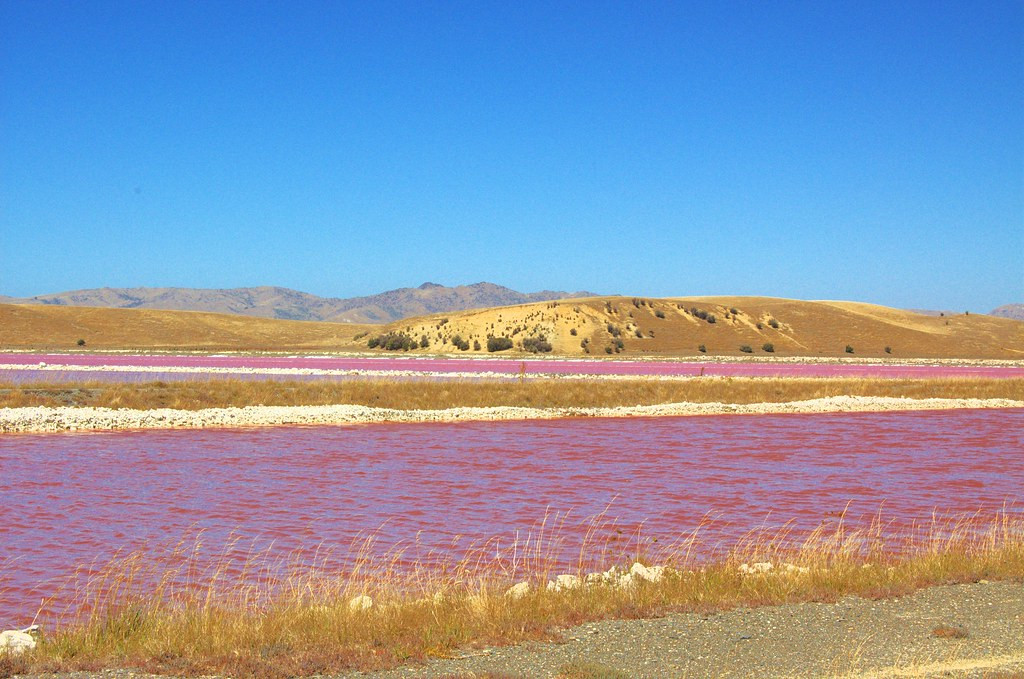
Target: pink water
x=513, y=367
x=69, y=499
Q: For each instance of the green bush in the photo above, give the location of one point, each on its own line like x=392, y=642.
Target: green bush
x=573, y=332
x=614, y=330
x=768, y=347
x=424, y=342
x=746, y=349
x=476, y=345
x=734, y=311
x=702, y=349
x=659, y=313
x=460, y=344
x=80, y=342
x=499, y=343
x=392, y=341
x=711, y=318
x=849, y=349
x=774, y=323
x=537, y=344
x=888, y=350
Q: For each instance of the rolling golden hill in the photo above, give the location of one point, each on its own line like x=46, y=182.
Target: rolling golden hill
x=60, y=327
x=593, y=326
x=600, y=326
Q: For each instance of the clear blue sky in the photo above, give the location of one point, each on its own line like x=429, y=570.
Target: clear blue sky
x=853, y=150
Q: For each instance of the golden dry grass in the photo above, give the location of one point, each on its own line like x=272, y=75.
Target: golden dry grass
x=545, y=393
x=24, y=326
x=173, y=612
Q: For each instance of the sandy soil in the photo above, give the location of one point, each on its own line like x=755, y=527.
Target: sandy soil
x=44, y=419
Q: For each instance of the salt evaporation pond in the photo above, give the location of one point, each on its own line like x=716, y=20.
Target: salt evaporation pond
x=130, y=367
x=73, y=498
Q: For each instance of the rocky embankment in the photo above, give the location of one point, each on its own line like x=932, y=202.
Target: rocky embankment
x=46, y=419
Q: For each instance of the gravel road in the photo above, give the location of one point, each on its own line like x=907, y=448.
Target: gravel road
x=853, y=637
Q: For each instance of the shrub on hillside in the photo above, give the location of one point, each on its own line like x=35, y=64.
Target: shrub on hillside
x=774, y=323
x=702, y=349
x=888, y=350
x=734, y=311
x=849, y=349
x=537, y=344
x=499, y=343
x=573, y=332
x=659, y=313
x=476, y=345
x=80, y=342
x=392, y=341
x=614, y=330
x=460, y=344
x=746, y=349
x=768, y=347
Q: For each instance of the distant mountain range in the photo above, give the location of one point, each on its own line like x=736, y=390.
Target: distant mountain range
x=275, y=302
x=1015, y=311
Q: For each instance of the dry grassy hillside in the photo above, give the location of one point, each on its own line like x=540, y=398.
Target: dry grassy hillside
x=60, y=327
x=596, y=326
x=602, y=326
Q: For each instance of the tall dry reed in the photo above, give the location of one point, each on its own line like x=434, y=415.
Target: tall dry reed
x=242, y=612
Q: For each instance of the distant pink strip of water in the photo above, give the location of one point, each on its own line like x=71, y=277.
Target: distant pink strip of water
x=73, y=498
x=527, y=366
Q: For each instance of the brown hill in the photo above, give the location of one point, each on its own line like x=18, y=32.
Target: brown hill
x=627, y=327
x=680, y=326
x=284, y=303
x=57, y=327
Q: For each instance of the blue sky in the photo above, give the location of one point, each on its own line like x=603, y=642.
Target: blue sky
x=855, y=150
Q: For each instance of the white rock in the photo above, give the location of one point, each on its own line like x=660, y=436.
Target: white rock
x=518, y=590
x=608, y=577
x=360, y=603
x=16, y=642
x=650, y=574
x=755, y=568
x=565, y=582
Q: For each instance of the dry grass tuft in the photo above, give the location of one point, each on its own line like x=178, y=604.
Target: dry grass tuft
x=540, y=393
x=243, y=614
x=948, y=632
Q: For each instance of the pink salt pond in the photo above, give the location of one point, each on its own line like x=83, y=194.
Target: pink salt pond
x=503, y=366
x=73, y=499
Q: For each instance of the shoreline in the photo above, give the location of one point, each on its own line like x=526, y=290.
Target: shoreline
x=43, y=419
